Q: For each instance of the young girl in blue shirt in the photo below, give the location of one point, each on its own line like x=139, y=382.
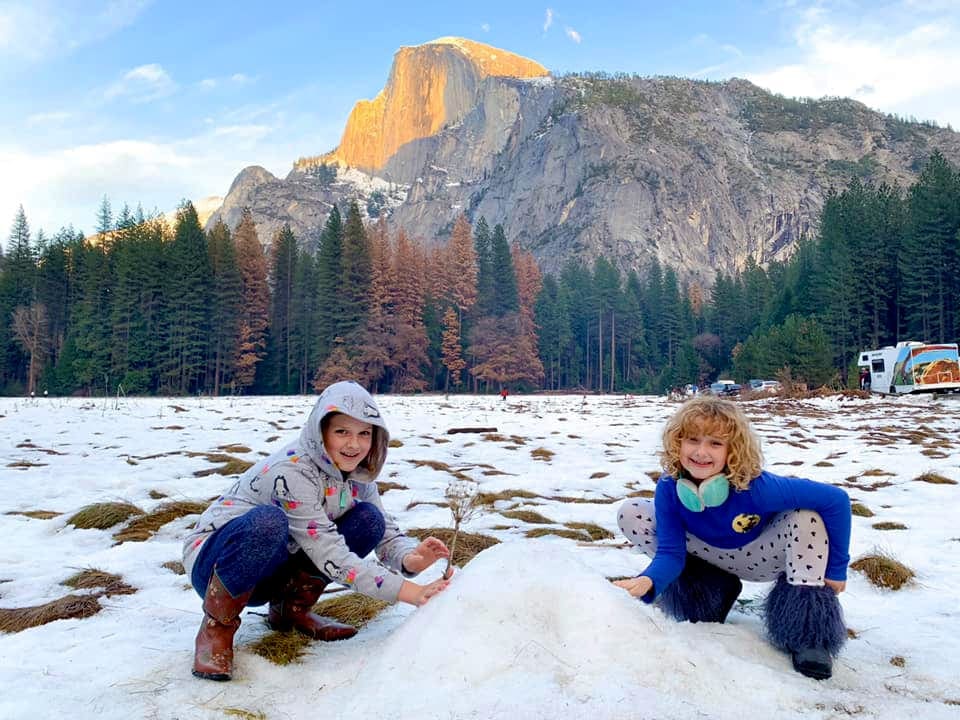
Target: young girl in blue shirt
x=717, y=517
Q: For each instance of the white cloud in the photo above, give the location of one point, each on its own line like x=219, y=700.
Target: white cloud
x=900, y=67
x=34, y=30
x=48, y=118
x=143, y=84
x=548, y=20
x=572, y=34
x=485, y=27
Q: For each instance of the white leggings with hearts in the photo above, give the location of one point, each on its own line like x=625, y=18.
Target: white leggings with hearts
x=794, y=542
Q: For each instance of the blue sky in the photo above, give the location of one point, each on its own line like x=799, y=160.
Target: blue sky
x=152, y=101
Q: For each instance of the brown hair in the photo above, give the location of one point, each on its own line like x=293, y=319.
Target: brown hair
x=722, y=418
x=378, y=448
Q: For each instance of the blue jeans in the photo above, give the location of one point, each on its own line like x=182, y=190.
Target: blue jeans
x=250, y=552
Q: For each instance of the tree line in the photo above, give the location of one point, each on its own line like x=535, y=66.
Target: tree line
x=143, y=308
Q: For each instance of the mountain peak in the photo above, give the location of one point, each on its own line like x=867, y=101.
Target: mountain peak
x=430, y=86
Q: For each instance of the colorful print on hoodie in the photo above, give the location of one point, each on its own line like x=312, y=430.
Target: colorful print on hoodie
x=301, y=479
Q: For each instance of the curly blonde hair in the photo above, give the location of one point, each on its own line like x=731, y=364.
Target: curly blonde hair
x=721, y=418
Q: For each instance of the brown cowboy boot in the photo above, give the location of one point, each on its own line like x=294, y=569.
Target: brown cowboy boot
x=290, y=609
x=213, y=658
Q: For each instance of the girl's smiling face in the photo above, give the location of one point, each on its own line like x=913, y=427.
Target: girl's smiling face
x=347, y=441
x=703, y=454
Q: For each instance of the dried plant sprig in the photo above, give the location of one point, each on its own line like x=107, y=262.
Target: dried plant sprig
x=461, y=495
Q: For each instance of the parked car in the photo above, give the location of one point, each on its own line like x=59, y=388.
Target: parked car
x=725, y=387
x=765, y=386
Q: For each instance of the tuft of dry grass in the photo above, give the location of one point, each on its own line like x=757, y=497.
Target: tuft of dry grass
x=174, y=566
x=156, y=495
x=245, y=714
x=595, y=531
x=385, y=485
x=92, y=578
x=281, y=648
x=394, y=443
x=860, y=510
x=875, y=472
x=234, y=448
x=102, y=516
x=887, y=525
x=598, y=475
x=542, y=454
x=468, y=544
x=143, y=527
x=898, y=661
x=559, y=532
x=491, y=498
x=351, y=608
x=883, y=571
x=440, y=467
x=527, y=516
x=35, y=514
x=229, y=465
x=13, y=620
x=823, y=463
x=934, y=479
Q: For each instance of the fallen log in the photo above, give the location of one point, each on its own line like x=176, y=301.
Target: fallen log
x=454, y=431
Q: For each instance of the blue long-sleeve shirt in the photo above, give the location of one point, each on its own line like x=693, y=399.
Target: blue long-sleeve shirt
x=733, y=524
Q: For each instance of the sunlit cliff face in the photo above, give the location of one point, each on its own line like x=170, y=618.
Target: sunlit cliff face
x=430, y=86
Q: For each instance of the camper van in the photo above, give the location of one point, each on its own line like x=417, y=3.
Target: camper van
x=911, y=367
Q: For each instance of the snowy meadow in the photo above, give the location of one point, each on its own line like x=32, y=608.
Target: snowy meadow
x=529, y=628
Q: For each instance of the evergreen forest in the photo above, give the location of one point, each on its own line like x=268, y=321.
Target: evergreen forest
x=143, y=308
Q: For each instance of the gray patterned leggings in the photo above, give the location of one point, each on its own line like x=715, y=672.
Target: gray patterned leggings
x=794, y=541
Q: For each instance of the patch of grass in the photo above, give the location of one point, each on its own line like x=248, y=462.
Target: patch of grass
x=13, y=620
x=559, y=532
x=542, y=453
x=884, y=571
x=35, y=514
x=92, y=578
x=156, y=495
x=494, y=437
x=823, y=463
x=898, y=661
x=640, y=493
x=143, y=527
x=385, y=485
x=413, y=503
x=25, y=464
x=281, y=648
x=101, y=516
x=934, y=479
x=580, y=501
x=229, y=465
x=440, y=467
x=234, y=448
x=654, y=474
x=468, y=544
x=598, y=475
x=527, y=516
x=174, y=566
x=394, y=443
x=875, y=472
x=245, y=714
x=491, y=498
x=351, y=608
x=860, y=510
x=592, y=529
x=889, y=526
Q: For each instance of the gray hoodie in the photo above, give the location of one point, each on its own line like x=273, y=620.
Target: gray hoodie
x=301, y=479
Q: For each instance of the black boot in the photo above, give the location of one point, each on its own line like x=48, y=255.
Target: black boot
x=807, y=622
x=702, y=593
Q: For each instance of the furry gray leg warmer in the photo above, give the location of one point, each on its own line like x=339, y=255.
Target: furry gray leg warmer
x=702, y=593
x=807, y=622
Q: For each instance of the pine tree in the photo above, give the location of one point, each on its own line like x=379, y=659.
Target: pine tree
x=225, y=299
x=280, y=352
x=17, y=289
x=188, y=302
x=505, y=299
x=354, y=289
x=329, y=269
x=486, y=292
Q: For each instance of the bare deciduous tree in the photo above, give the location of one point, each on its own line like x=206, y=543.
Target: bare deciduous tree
x=30, y=330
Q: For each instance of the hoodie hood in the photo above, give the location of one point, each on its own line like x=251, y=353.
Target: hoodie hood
x=351, y=399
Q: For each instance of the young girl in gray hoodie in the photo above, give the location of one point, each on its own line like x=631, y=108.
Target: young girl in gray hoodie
x=307, y=515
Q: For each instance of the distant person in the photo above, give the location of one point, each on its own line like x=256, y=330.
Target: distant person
x=503, y=393
x=864, y=378
x=717, y=517
x=306, y=516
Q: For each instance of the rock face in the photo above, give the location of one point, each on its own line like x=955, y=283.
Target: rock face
x=699, y=176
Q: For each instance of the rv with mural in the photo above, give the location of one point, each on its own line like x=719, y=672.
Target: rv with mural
x=911, y=367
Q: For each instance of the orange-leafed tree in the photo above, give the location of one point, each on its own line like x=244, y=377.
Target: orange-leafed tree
x=255, y=307
x=450, y=347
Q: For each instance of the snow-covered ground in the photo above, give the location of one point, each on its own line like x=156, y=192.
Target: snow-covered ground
x=531, y=628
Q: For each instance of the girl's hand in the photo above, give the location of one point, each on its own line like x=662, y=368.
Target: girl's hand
x=419, y=594
x=838, y=586
x=637, y=587
x=424, y=555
